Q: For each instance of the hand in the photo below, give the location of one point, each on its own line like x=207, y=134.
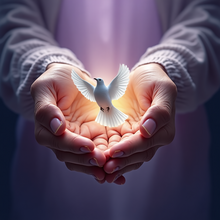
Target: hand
x=64, y=121
x=149, y=101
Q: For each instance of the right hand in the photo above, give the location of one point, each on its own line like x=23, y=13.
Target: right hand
x=64, y=121
x=149, y=102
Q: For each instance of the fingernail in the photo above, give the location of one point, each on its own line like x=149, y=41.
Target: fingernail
x=118, y=153
x=55, y=124
x=85, y=149
x=116, y=169
x=149, y=126
x=94, y=162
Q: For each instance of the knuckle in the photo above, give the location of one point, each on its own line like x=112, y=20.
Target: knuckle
x=41, y=111
x=170, y=85
x=163, y=112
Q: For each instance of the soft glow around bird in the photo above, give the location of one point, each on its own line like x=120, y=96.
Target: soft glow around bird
x=103, y=95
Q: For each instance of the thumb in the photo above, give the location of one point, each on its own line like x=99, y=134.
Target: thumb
x=154, y=119
x=161, y=113
x=47, y=114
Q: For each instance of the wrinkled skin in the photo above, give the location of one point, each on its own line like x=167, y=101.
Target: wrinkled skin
x=150, y=94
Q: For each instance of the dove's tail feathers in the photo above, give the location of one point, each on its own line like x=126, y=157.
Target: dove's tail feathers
x=111, y=118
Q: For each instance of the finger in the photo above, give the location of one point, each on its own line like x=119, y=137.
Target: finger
x=114, y=136
x=115, y=176
x=154, y=119
x=97, y=172
x=51, y=117
x=162, y=110
x=137, y=143
x=120, y=180
x=67, y=142
x=101, y=142
x=47, y=113
x=96, y=133
x=117, y=164
x=95, y=158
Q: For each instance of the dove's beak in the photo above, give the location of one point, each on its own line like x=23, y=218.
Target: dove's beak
x=95, y=79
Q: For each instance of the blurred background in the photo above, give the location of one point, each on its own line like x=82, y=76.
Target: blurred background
x=7, y=148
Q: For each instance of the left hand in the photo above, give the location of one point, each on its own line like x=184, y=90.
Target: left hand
x=64, y=121
x=149, y=101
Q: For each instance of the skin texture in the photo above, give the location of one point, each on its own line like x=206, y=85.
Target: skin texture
x=111, y=151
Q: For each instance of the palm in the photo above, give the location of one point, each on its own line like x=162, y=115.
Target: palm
x=129, y=104
x=78, y=111
x=146, y=94
x=80, y=115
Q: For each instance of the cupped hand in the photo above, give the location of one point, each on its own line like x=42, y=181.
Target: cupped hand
x=65, y=121
x=149, y=101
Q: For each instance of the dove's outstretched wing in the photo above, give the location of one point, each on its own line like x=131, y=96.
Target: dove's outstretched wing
x=84, y=87
x=119, y=84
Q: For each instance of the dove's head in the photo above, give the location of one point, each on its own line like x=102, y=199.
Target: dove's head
x=99, y=81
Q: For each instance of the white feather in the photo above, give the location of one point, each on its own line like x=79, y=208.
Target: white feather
x=84, y=87
x=119, y=84
x=109, y=115
x=113, y=118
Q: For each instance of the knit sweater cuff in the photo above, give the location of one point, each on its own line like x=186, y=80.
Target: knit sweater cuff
x=31, y=65
x=177, y=62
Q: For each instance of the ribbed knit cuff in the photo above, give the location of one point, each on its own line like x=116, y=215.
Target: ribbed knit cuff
x=32, y=64
x=177, y=62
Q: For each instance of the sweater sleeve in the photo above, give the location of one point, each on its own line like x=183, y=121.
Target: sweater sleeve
x=189, y=52
x=26, y=49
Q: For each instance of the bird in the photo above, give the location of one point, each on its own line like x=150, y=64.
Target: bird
x=103, y=95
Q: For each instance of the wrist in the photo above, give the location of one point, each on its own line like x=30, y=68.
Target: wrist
x=64, y=67
x=51, y=65
x=152, y=66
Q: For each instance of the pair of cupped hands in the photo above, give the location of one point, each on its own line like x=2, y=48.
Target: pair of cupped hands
x=65, y=121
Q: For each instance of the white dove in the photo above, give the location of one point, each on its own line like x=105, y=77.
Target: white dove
x=103, y=95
